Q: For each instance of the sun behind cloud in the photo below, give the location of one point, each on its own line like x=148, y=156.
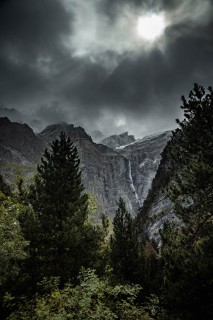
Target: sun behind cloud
x=150, y=26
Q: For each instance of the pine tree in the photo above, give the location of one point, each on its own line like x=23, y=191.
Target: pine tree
x=125, y=247
x=192, y=152
x=187, y=251
x=61, y=238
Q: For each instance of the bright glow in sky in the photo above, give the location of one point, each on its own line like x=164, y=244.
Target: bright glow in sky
x=150, y=27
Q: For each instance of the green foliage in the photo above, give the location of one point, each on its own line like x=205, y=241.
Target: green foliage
x=61, y=237
x=126, y=254
x=187, y=251
x=12, y=247
x=4, y=188
x=93, y=298
x=12, y=243
x=192, y=150
x=187, y=275
x=58, y=188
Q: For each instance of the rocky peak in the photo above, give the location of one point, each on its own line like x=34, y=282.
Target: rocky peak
x=14, y=132
x=18, y=142
x=115, y=141
x=51, y=132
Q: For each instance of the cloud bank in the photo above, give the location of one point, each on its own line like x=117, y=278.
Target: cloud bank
x=82, y=62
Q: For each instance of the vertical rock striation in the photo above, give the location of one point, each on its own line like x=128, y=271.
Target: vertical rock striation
x=144, y=156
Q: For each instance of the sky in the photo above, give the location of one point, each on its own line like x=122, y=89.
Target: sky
x=86, y=62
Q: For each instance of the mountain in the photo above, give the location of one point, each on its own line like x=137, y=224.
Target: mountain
x=144, y=156
x=51, y=132
x=157, y=207
x=115, y=141
x=104, y=172
x=18, y=143
x=107, y=173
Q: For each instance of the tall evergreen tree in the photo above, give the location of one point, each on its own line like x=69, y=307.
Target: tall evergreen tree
x=125, y=247
x=187, y=251
x=192, y=152
x=61, y=238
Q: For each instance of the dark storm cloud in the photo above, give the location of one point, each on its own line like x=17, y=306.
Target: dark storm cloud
x=51, y=112
x=111, y=7
x=33, y=27
x=148, y=83
x=144, y=83
x=79, y=61
x=30, y=34
x=11, y=113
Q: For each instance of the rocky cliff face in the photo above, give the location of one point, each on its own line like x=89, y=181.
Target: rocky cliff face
x=144, y=156
x=18, y=143
x=104, y=171
x=157, y=208
x=107, y=173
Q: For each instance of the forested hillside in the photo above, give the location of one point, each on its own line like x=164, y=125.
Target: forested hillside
x=59, y=262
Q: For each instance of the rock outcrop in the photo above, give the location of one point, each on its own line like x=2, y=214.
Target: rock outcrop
x=52, y=132
x=115, y=141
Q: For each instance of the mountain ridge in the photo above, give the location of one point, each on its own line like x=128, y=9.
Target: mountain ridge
x=107, y=173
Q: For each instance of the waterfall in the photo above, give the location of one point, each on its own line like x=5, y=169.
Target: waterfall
x=131, y=182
